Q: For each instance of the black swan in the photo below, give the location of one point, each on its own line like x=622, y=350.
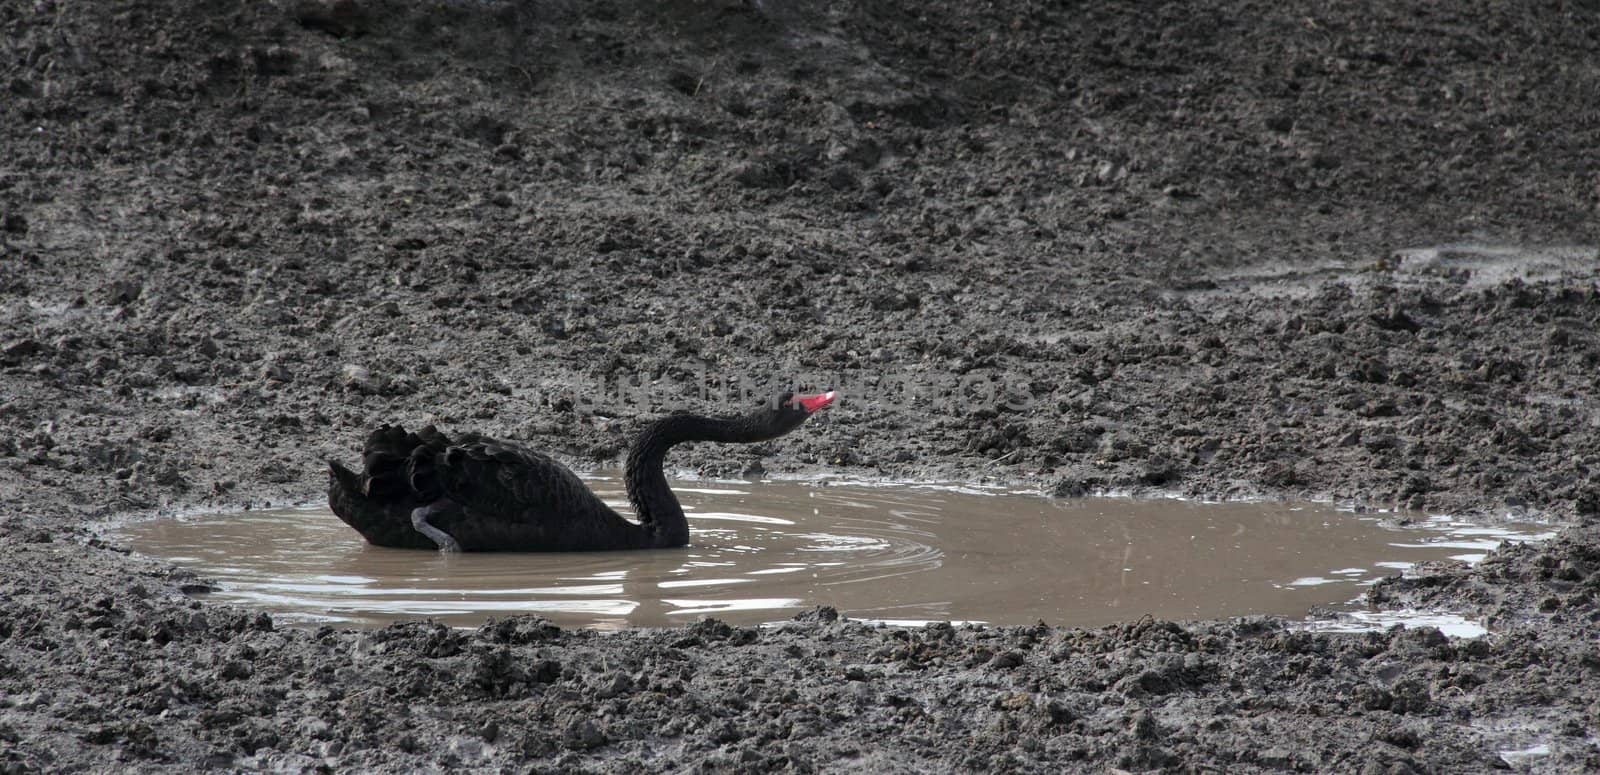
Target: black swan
x=423, y=491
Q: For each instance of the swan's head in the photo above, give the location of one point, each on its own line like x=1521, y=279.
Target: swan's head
x=788, y=410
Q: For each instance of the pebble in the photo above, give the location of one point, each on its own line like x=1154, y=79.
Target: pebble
x=359, y=379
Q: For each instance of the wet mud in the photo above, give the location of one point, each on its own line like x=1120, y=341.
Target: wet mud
x=1216, y=250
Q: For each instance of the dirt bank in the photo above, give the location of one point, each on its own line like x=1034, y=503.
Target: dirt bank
x=1193, y=248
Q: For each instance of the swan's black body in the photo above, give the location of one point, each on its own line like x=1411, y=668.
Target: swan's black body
x=424, y=490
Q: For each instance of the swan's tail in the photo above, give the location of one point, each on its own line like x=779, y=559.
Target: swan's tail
x=378, y=502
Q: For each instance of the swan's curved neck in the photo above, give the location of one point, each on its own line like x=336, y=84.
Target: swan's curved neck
x=657, y=508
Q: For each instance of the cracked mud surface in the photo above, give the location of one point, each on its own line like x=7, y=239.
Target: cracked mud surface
x=1223, y=250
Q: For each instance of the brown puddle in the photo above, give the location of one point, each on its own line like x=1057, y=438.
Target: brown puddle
x=761, y=552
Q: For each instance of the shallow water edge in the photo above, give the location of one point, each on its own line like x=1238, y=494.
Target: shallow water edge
x=896, y=554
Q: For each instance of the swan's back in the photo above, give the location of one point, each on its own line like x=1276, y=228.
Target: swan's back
x=514, y=497
x=489, y=495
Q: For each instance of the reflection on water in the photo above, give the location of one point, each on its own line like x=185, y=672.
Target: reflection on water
x=761, y=552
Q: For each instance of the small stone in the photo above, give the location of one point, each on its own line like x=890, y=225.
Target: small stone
x=360, y=379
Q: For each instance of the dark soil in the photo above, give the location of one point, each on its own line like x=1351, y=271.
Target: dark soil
x=1100, y=248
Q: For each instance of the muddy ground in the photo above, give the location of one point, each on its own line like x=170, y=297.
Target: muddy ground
x=1225, y=249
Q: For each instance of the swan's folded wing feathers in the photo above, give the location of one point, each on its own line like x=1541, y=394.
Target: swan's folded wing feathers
x=388, y=439
x=383, y=460
x=431, y=438
x=508, y=481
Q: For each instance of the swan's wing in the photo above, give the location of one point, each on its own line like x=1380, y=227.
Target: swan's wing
x=387, y=460
x=505, y=483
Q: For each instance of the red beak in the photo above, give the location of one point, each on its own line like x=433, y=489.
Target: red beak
x=814, y=401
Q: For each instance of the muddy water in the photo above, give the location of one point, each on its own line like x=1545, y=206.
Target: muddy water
x=761, y=552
